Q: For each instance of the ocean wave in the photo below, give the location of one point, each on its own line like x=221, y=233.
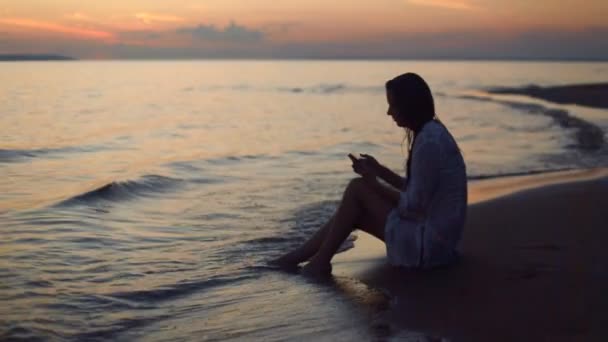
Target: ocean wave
x=516, y=173
x=176, y=290
x=22, y=155
x=268, y=240
x=125, y=190
x=332, y=89
x=57, y=330
x=229, y=160
x=116, y=328
x=141, y=305
x=213, y=168
x=19, y=155
x=589, y=137
x=21, y=333
x=321, y=89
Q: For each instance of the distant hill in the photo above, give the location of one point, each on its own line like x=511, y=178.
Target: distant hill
x=5, y=58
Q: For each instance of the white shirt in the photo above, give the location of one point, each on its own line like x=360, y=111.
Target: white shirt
x=425, y=229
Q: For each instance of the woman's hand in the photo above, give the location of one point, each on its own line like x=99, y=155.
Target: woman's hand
x=364, y=167
x=371, y=163
x=382, y=171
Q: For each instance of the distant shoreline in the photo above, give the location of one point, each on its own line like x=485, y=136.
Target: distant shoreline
x=50, y=57
x=590, y=95
x=26, y=57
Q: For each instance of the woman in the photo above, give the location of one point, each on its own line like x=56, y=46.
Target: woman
x=420, y=217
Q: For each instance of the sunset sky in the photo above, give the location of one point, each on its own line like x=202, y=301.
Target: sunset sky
x=306, y=28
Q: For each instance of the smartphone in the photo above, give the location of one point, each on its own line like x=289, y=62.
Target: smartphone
x=354, y=158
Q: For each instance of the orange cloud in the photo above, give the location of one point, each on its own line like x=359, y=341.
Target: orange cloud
x=46, y=26
x=452, y=4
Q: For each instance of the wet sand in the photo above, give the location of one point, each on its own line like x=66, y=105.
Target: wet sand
x=591, y=95
x=535, y=266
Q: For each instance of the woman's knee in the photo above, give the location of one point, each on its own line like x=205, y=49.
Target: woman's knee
x=354, y=186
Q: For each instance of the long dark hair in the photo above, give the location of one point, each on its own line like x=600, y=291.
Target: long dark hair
x=412, y=97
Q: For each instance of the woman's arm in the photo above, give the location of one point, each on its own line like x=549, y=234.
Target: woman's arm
x=383, y=172
x=387, y=192
x=390, y=177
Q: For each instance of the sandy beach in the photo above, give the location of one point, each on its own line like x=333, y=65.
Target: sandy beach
x=591, y=95
x=534, y=266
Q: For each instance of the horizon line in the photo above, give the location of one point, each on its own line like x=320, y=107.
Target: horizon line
x=63, y=58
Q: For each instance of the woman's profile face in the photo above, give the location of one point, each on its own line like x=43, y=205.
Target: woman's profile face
x=398, y=117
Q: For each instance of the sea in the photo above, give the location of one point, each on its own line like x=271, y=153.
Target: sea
x=140, y=200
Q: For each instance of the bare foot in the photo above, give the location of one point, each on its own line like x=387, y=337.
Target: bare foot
x=286, y=262
x=315, y=270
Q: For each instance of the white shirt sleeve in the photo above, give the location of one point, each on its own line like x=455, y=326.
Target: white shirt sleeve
x=424, y=177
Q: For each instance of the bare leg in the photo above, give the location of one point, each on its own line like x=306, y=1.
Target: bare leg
x=307, y=250
x=362, y=208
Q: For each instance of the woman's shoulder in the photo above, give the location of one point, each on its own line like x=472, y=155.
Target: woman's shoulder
x=431, y=131
x=435, y=132
x=435, y=126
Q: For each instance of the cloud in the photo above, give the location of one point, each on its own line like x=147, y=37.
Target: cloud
x=531, y=44
x=231, y=33
x=149, y=18
x=140, y=35
x=202, y=35
x=586, y=44
x=279, y=27
x=57, y=28
x=451, y=4
x=212, y=42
